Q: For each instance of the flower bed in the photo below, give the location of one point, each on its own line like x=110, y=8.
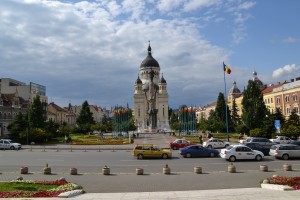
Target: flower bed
x=29, y=188
x=293, y=182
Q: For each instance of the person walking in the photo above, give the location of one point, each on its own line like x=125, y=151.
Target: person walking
x=201, y=139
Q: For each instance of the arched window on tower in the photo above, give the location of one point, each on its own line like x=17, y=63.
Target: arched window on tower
x=163, y=110
x=139, y=112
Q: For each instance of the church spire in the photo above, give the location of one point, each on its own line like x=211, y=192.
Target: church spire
x=149, y=48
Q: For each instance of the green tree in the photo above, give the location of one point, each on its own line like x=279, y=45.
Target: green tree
x=20, y=124
x=235, y=118
x=37, y=114
x=293, y=119
x=85, y=118
x=253, y=106
x=268, y=127
x=220, y=115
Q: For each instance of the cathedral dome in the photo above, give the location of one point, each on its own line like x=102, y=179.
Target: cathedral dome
x=234, y=89
x=256, y=79
x=163, y=80
x=149, y=61
x=138, y=80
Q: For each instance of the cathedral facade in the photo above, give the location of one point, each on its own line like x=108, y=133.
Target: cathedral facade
x=150, y=97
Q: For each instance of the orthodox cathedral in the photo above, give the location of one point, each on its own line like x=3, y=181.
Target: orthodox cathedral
x=150, y=97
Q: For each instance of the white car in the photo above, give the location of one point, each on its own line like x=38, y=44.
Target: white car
x=215, y=143
x=281, y=140
x=8, y=144
x=240, y=152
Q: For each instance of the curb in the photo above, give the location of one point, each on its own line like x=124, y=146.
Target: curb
x=71, y=193
x=276, y=187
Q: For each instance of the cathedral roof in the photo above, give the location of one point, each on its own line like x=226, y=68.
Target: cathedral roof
x=149, y=61
x=163, y=80
x=256, y=79
x=138, y=80
x=234, y=89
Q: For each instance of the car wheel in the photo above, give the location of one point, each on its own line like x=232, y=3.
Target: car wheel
x=209, y=146
x=12, y=148
x=188, y=155
x=211, y=154
x=140, y=156
x=174, y=148
x=258, y=158
x=232, y=158
x=285, y=156
x=226, y=145
x=165, y=156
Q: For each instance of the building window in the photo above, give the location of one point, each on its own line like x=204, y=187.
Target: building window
x=271, y=100
x=287, y=98
x=163, y=111
x=278, y=100
x=296, y=109
x=295, y=97
x=288, y=111
x=139, y=112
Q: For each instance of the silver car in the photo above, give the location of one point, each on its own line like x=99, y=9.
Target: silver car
x=8, y=144
x=285, y=151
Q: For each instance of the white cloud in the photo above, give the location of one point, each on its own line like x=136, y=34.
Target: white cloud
x=92, y=50
x=168, y=5
x=290, y=40
x=191, y=5
x=284, y=71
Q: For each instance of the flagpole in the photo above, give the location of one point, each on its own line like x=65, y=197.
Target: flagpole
x=226, y=112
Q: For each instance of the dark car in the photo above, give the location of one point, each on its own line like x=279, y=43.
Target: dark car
x=262, y=141
x=198, y=151
x=258, y=147
x=295, y=142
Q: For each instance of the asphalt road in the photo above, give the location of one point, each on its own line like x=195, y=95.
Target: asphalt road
x=89, y=162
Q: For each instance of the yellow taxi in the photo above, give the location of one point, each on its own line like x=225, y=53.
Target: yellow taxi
x=150, y=151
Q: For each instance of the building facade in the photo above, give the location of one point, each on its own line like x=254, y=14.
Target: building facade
x=150, y=97
x=16, y=97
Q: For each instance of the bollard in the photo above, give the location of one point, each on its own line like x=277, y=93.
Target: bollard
x=139, y=171
x=105, y=170
x=30, y=147
x=113, y=150
x=198, y=170
x=24, y=170
x=99, y=149
x=47, y=169
x=84, y=149
x=166, y=170
x=231, y=168
x=44, y=149
x=57, y=149
x=73, y=171
x=263, y=168
x=70, y=148
x=287, y=167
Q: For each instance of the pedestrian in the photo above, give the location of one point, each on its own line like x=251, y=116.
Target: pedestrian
x=201, y=139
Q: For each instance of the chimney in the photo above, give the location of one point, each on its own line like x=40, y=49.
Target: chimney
x=298, y=78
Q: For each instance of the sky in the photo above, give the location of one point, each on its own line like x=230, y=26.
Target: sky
x=92, y=50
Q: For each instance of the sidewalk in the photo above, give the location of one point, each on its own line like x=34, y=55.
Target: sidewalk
x=225, y=194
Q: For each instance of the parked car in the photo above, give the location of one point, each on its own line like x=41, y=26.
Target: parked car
x=215, y=143
x=281, y=140
x=295, y=142
x=258, y=147
x=262, y=141
x=239, y=152
x=150, y=151
x=244, y=140
x=193, y=151
x=285, y=151
x=9, y=144
x=179, y=143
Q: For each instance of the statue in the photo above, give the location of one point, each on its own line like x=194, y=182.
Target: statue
x=151, y=100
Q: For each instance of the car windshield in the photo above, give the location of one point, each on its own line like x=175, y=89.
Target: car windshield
x=229, y=147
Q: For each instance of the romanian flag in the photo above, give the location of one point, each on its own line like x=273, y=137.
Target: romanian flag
x=226, y=69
